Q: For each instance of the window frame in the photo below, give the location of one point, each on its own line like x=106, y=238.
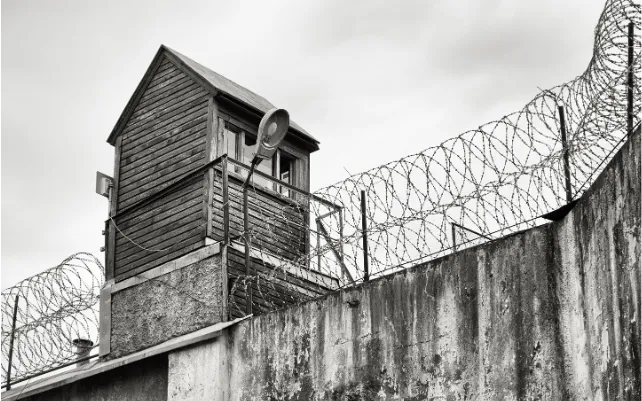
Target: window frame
x=239, y=155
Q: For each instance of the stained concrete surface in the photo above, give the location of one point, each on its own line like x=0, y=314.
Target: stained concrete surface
x=157, y=310
x=548, y=314
x=552, y=313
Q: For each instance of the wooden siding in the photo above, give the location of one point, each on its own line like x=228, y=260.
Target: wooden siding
x=173, y=224
x=278, y=224
x=164, y=139
x=280, y=290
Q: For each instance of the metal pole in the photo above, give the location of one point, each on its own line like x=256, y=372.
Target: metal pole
x=629, y=84
x=567, y=168
x=226, y=204
x=341, y=239
x=452, y=226
x=13, y=334
x=364, y=232
x=246, y=235
x=318, y=247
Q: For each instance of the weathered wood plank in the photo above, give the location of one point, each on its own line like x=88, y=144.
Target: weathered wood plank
x=149, y=181
x=282, y=234
x=163, y=102
x=157, y=112
x=267, y=238
x=274, y=289
x=237, y=261
x=153, y=238
x=144, y=146
x=164, y=161
x=166, y=126
x=168, y=72
x=188, y=192
x=163, y=66
x=169, y=242
x=161, y=82
x=140, y=192
x=162, y=96
x=290, y=228
x=210, y=154
x=142, y=231
x=179, y=148
x=157, y=116
x=192, y=245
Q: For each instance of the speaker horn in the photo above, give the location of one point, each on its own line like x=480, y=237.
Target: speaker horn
x=272, y=129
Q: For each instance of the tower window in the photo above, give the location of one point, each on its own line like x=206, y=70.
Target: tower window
x=240, y=145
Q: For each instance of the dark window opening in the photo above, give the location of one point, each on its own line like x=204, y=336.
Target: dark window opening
x=240, y=145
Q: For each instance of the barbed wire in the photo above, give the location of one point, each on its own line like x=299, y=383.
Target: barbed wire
x=482, y=184
x=505, y=172
x=55, y=307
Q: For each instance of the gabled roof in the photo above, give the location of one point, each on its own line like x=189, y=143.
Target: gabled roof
x=211, y=81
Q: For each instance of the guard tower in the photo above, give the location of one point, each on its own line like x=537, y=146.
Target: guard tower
x=175, y=250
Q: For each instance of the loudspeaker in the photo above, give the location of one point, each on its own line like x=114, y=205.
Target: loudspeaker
x=272, y=129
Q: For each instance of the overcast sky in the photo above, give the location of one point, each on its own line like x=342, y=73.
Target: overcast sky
x=372, y=80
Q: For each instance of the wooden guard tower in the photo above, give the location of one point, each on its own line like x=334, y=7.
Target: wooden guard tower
x=176, y=198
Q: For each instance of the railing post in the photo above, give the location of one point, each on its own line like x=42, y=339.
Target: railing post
x=364, y=232
x=13, y=334
x=246, y=235
x=226, y=202
x=629, y=83
x=567, y=168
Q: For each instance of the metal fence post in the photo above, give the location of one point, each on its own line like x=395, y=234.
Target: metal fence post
x=452, y=227
x=13, y=334
x=364, y=232
x=567, y=168
x=318, y=247
x=341, y=241
x=629, y=84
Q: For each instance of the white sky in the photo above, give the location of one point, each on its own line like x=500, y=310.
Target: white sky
x=372, y=80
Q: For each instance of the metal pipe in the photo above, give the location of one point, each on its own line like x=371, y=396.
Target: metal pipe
x=246, y=235
x=13, y=334
x=318, y=247
x=364, y=232
x=567, y=168
x=629, y=84
x=83, y=348
x=341, y=252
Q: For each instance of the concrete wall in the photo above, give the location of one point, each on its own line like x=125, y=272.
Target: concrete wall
x=141, y=381
x=168, y=306
x=199, y=372
x=597, y=281
x=550, y=313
